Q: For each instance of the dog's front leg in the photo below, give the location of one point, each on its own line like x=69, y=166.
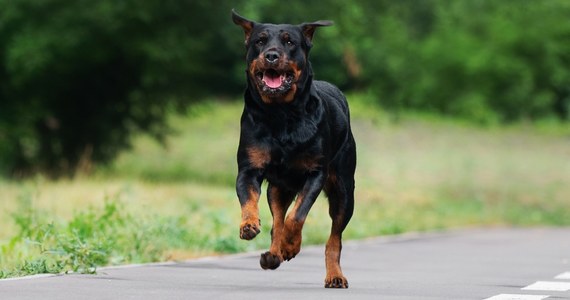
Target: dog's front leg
x=292, y=231
x=279, y=200
x=248, y=187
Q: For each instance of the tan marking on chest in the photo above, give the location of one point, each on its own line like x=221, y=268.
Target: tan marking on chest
x=258, y=157
x=308, y=163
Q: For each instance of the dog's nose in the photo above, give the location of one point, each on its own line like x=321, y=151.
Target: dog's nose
x=271, y=56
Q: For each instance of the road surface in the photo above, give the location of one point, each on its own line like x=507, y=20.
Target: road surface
x=497, y=264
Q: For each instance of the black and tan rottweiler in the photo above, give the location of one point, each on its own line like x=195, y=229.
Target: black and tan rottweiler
x=295, y=133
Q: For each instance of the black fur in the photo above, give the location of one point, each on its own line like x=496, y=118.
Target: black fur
x=296, y=136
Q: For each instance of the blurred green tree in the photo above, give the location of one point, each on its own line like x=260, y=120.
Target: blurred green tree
x=488, y=61
x=79, y=77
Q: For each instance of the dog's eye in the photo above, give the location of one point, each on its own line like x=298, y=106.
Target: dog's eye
x=290, y=43
x=260, y=42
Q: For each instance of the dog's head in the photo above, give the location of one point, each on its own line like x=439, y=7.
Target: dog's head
x=277, y=57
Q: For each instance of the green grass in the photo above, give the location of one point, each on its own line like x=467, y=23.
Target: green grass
x=175, y=201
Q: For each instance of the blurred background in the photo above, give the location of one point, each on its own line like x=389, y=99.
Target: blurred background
x=119, y=121
x=78, y=78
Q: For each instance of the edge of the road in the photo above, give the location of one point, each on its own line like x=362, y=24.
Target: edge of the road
x=401, y=237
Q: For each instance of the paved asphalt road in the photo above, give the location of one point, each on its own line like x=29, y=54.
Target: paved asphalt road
x=464, y=264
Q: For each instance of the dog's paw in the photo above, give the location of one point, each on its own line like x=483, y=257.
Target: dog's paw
x=291, y=247
x=249, y=230
x=270, y=261
x=291, y=240
x=337, y=282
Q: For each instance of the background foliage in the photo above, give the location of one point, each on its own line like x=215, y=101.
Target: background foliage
x=77, y=78
x=157, y=203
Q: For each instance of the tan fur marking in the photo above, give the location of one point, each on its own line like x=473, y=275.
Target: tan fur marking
x=258, y=157
x=297, y=72
x=250, y=210
x=278, y=223
x=292, y=231
x=292, y=238
x=332, y=182
x=290, y=96
x=308, y=163
x=250, y=215
x=332, y=261
x=253, y=66
x=266, y=99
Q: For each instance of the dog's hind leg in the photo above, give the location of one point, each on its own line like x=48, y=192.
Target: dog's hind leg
x=340, y=192
x=279, y=201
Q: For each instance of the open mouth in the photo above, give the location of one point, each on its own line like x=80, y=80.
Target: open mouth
x=272, y=81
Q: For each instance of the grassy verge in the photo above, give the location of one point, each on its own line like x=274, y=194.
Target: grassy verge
x=155, y=203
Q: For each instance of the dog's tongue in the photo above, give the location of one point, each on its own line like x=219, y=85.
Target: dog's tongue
x=272, y=79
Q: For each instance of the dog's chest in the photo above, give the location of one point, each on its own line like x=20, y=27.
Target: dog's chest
x=291, y=168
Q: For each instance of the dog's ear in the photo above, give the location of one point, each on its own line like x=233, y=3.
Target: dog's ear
x=308, y=29
x=246, y=24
